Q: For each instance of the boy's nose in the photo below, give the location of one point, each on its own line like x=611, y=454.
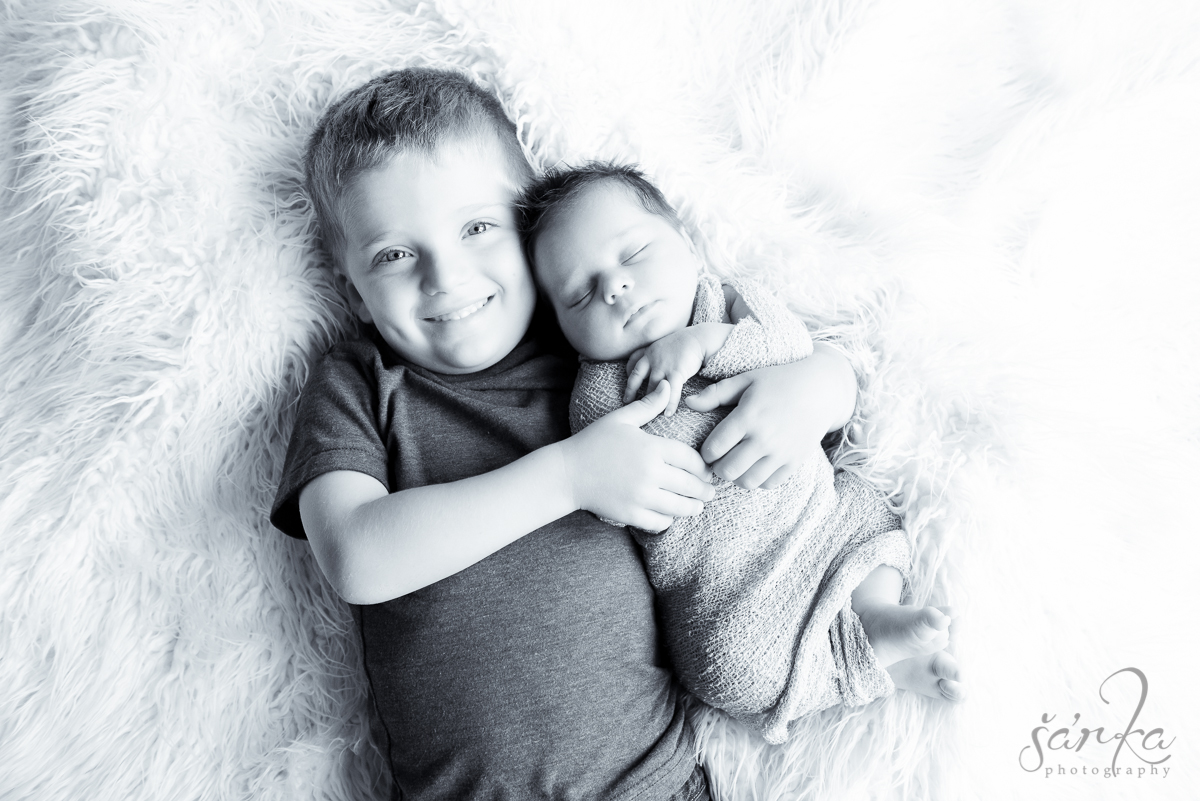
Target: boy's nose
x=616, y=286
x=440, y=273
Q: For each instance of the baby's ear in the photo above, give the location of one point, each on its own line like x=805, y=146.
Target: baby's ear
x=691, y=243
x=351, y=294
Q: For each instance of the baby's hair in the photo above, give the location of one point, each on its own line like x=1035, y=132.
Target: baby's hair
x=546, y=198
x=404, y=111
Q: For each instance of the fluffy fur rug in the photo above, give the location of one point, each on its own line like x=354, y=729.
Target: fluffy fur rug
x=991, y=206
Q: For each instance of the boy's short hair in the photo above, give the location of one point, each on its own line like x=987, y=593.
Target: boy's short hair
x=546, y=198
x=404, y=111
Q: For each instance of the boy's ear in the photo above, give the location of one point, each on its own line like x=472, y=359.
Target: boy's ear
x=351, y=294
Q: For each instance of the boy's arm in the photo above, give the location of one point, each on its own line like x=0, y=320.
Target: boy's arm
x=782, y=414
x=788, y=393
x=374, y=546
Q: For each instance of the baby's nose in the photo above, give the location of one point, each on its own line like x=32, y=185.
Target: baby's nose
x=616, y=288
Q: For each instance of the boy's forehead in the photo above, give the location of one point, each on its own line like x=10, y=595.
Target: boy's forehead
x=457, y=176
x=472, y=166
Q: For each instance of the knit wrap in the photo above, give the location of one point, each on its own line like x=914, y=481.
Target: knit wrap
x=754, y=592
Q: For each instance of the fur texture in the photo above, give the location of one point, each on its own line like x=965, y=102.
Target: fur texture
x=990, y=206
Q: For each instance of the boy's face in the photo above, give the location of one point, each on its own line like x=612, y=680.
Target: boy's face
x=433, y=259
x=619, y=277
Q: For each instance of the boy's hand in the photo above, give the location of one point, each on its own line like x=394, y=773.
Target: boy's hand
x=676, y=357
x=618, y=471
x=782, y=414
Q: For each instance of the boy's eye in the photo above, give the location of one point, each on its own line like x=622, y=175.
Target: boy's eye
x=392, y=254
x=479, y=227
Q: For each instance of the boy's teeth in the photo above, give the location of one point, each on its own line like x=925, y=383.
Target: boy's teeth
x=461, y=313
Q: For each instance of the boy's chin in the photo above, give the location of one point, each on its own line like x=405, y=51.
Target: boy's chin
x=466, y=360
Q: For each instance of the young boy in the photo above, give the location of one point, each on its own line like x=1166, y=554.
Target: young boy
x=775, y=603
x=508, y=635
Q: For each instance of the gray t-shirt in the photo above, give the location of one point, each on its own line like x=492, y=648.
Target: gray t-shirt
x=535, y=673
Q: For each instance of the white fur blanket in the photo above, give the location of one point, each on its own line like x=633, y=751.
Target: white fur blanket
x=992, y=206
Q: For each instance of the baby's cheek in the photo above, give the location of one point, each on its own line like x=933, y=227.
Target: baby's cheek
x=579, y=336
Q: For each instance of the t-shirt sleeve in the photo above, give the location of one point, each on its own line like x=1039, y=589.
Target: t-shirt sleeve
x=335, y=429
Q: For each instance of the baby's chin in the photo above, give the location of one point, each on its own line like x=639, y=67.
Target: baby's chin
x=610, y=352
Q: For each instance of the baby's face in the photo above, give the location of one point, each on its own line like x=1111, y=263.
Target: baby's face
x=619, y=277
x=434, y=260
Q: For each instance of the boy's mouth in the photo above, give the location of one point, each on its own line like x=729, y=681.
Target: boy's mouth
x=465, y=311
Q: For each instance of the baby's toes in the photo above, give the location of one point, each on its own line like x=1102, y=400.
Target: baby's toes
x=929, y=630
x=945, y=667
x=954, y=691
x=948, y=611
x=933, y=618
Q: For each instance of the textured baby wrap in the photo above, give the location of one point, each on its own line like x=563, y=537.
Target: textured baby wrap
x=754, y=592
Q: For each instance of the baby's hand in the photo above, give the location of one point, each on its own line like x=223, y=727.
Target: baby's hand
x=618, y=471
x=676, y=357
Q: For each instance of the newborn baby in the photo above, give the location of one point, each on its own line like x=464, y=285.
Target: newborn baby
x=775, y=603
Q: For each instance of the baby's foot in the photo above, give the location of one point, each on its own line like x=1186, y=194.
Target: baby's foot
x=899, y=632
x=934, y=675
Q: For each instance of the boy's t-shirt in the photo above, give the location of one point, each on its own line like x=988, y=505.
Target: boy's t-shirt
x=536, y=672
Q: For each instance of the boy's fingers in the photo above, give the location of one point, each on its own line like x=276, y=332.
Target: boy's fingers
x=734, y=464
x=643, y=411
x=673, y=505
x=778, y=477
x=722, y=393
x=757, y=474
x=651, y=521
x=686, y=485
x=679, y=455
x=703, y=401
x=724, y=436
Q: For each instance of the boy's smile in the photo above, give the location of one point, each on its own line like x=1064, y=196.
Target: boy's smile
x=619, y=276
x=433, y=258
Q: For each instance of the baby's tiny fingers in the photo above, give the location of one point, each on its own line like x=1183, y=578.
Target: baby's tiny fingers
x=634, y=358
x=676, y=389
x=636, y=376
